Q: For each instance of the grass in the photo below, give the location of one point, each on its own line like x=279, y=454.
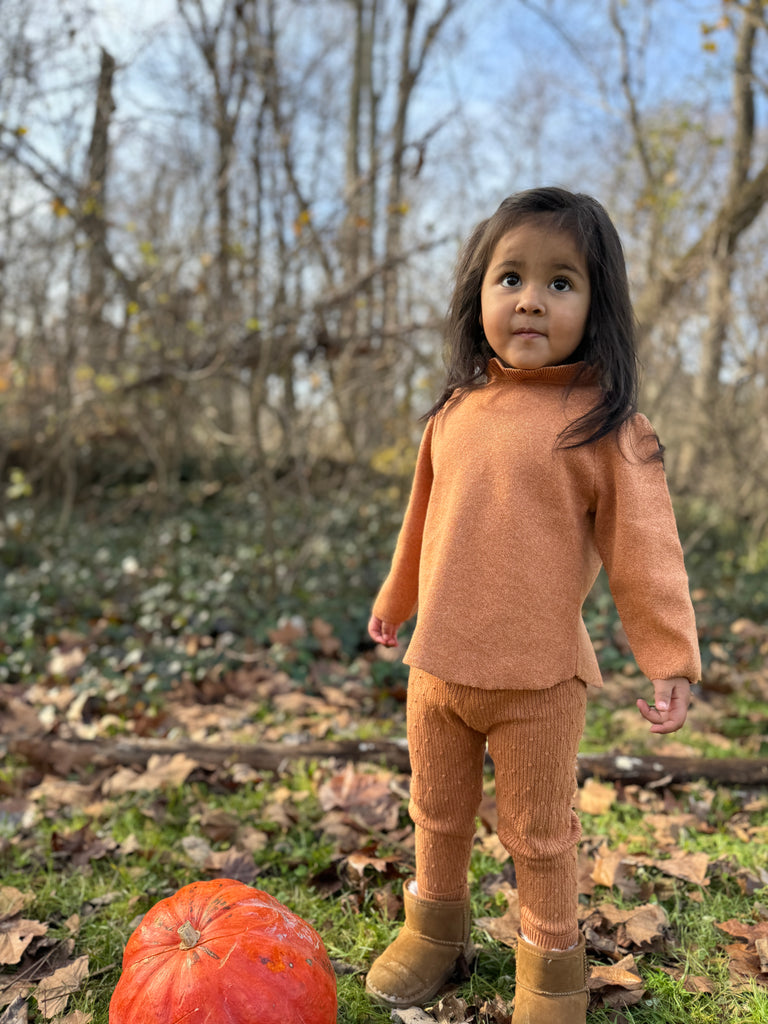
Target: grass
x=110, y=893
x=200, y=576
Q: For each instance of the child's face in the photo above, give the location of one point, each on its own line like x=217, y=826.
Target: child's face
x=535, y=297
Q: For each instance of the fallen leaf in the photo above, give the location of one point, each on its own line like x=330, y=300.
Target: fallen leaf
x=611, y=930
x=13, y=901
x=613, y=869
x=693, y=983
x=16, y=1013
x=452, y=1010
x=618, y=984
x=53, y=992
x=690, y=867
x=358, y=861
x=596, y=797
x=365, y=796
x=505, y=928
x=219, y=825
x=498, y=1011
x=646, y=928
x=15, y=935
x=232, y=863
x=739, y=930
x=744, y=966
x=412, y=1015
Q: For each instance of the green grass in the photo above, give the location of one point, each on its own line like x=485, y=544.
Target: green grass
x=205, y=575
x=110, y=893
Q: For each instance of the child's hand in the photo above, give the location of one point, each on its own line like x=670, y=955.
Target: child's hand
x=670, y=707
x=383, y=632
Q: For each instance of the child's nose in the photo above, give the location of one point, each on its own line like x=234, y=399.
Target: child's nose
x=530, y=301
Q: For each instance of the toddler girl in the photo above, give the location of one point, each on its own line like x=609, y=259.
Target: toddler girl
x=534, y=469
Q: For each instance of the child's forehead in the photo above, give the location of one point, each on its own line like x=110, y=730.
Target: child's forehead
x=534, y=240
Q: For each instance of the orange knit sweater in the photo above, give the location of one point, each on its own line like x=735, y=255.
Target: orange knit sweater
x=504, y=536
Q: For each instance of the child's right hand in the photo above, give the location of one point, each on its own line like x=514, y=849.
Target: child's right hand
x=383, y=632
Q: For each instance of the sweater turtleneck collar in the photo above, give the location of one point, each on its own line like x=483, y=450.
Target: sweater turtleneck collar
x=567, y=373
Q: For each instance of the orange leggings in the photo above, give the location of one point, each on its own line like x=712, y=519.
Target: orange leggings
x=533, y=738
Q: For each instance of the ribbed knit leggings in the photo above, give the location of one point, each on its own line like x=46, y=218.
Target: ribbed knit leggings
x=533, y=738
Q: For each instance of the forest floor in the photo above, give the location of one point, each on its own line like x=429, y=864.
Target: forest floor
x=151, y=666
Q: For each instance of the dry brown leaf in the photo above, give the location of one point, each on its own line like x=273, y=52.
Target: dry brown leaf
x=505, y=928
x=219, y=825
x=646, y=928
x=488, y=813
x=335, y=826
x=15, y=935
x=197, y=849
x=53, y=992
x=232, y=863
x=82, y=845
x=498, y=1011
x=585, y=867
x=13, y=901
x=492, y=846
x=596, y=797
x=162, y=771
x=609, y=929
x=618, y=984
x=412, y=1015
x=613, y=869
x=694, y=983
x=744, y=966
x=296, y=704
x=388, y=903
x=452, y=1010
x=623, y=973
x=16, y=1012
x=739, y=930
x=358, y=861
x=690, y=867
x=365, y=796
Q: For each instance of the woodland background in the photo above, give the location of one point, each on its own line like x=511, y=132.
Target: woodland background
x=227, y=235
x=228, y=227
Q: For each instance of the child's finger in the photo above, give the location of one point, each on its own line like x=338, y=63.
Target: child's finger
x=382, y=632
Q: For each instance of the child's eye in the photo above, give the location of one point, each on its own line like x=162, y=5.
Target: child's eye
x=511, y=279
x=561, y=284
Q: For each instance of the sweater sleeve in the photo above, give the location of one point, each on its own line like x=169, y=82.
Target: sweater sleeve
x=398, y=597
x=637, y=539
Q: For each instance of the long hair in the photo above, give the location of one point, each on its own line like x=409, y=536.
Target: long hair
x=608, y=346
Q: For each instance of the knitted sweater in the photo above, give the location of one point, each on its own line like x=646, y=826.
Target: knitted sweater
x=504, y=536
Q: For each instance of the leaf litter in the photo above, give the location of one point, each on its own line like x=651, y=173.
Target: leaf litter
x=360, y=811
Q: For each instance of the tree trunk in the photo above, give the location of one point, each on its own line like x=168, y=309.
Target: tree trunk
x=654, y=772
x=95, y=192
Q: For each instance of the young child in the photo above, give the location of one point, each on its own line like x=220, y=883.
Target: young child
x=534, y=469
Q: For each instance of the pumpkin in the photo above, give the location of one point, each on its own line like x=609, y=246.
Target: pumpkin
x=221, y=952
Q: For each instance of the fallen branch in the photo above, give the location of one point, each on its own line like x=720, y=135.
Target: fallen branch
x=62, y=755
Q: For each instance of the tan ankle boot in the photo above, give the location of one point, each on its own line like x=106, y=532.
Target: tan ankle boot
x=550, y=987
x=417, y=964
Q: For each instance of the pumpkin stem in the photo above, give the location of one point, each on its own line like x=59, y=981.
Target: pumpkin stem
x=190, y=936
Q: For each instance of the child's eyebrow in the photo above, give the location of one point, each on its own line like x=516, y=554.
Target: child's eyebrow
x=518, y=262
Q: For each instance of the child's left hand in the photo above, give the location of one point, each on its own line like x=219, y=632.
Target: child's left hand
x=670, y=707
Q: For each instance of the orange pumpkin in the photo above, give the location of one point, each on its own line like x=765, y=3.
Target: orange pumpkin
x=221, y=952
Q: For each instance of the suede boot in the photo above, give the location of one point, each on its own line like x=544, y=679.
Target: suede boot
x=414, y=967
x=550, y=987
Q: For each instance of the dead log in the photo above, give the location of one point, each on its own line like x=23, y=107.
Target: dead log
x=62, y=755
x=656, y=772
